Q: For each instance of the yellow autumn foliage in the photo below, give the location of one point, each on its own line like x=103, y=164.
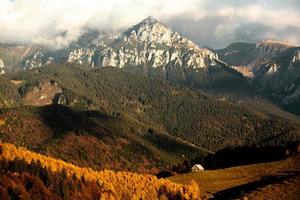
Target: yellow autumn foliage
x=116, y=185
x=2, y=121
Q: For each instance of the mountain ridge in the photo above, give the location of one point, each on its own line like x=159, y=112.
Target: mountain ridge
x=272, y=68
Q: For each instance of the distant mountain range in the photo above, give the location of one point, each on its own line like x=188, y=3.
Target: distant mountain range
x=150, y=48
x=272, y=67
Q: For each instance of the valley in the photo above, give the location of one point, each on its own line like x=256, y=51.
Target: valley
x=126, y=115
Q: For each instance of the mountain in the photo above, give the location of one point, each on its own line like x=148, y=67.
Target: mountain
x=80, y=122
x=152, y=49
x=251, y=54
x=149, y=48
x=11, y=57
x=149, y=44
x=273, y=68
x=14, y=58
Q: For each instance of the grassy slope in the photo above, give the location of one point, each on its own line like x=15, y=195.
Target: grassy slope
x=273, y=179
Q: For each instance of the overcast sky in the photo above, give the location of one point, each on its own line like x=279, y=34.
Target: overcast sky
x=208, y=23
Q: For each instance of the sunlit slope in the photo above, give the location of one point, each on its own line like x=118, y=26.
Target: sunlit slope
x=110, y=185
x=257, y=181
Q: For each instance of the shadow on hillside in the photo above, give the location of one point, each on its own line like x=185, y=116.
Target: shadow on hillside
x=237, y=156
x=167, y=143
x=238, y=191
x=245, y=155
x=63, y=120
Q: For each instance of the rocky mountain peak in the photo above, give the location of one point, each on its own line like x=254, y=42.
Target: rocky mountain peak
x=148, y=30
x=150, y=43
x=150, y=20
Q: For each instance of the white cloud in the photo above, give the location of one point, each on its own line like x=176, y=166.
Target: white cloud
x=275, y=18
x=41, y=21
x=239, y=20
x=38, y=21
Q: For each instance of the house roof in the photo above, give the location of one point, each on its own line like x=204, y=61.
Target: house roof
x=198, y=166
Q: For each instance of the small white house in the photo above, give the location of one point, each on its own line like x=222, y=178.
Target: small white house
x=197, y=167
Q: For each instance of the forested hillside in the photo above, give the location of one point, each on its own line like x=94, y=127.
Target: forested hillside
x=178, y=110
x=8, y=92
x=120, y=114
x=93, y=138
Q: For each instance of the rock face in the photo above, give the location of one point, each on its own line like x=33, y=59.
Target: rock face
x=150, y=44
x=26, y=57
x=275, y=68
x=37, y=60
x=1, y=67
